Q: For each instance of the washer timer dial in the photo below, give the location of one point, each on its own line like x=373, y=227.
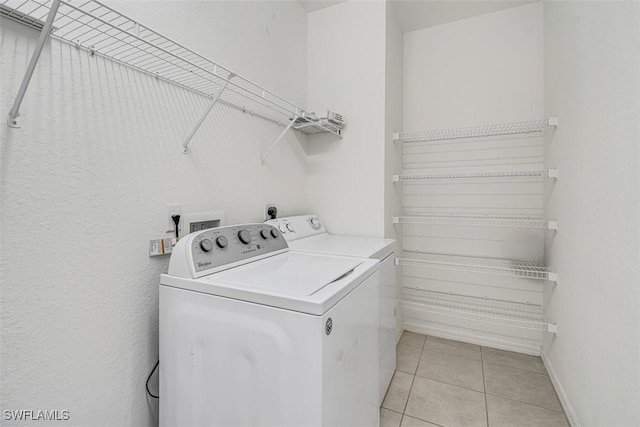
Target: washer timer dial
x=222, y=242
x=206, y=245
x=244, y=236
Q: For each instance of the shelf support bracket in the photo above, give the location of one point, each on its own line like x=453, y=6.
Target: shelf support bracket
x=286, y=129
x=12, y=117
x=185, y=144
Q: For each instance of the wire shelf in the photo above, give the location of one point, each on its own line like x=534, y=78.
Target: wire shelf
x=101, y=30
x=476, y=220
x=504, y=267
x=515, y=174
x=312, y=124
x=500, y=312
x=514, y=128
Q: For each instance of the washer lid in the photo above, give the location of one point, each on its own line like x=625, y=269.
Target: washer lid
x=363, y=247
x=304, y=282
x=295, y=274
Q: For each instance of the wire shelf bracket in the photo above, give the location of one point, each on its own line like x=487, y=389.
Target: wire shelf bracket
x=514, y=128
x=277, y=141
x=477, y=220
x=214, y=101
x=14, y=113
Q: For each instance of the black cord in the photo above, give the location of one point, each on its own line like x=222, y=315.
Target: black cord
x=176, y=221
x=149, y=391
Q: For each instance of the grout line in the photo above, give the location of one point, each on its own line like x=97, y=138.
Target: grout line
x=546, y=374
x=526, y=403
x=412, y=381
x=451, y=354
x=416, y=418
x=484, y=385
x=445, y=383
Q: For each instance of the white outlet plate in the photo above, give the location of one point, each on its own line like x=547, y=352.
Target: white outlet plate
x=172, y=210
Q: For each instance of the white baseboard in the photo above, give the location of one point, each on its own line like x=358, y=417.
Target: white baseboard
x=564, y=399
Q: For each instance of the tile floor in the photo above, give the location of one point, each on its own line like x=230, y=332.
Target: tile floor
x=440, y=382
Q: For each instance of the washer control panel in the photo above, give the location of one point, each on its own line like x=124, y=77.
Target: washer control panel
x=207, y=251
x=298, y=227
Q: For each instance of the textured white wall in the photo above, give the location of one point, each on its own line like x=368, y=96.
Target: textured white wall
x=84, y=185
x=346, y=68
x=481, y=70
x=592, y=81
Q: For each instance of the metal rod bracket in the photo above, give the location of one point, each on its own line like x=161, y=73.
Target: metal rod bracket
x=12, y=117
x=286, y=129
x=185, y=144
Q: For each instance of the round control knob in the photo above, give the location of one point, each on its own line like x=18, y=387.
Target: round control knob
x=264, y=234
x=289, y=227
x=315, y=223
x=283, y=228
x=206, y=245
x=244, y=236
x=274, y=233
x=222, y=242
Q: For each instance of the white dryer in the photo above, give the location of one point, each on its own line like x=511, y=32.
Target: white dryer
x=307, y=233
x=253, y=334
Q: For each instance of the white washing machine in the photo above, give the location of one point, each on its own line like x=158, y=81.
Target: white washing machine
x=253, y=334
x=307, y=233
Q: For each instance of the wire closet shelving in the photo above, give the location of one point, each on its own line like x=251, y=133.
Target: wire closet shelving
x=512, y=174
x=103, y=31
x=498, y=312
x=503, y=267
x=515, y=221
x=514, y=128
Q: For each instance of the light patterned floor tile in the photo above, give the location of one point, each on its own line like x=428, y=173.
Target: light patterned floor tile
x=523, y=386
x=446, y=404
x=407, y=358
x=389, y=418
x=412, y=339
x=513, y=360
x=453, y=347
x=446, y=368
x=398, y=393
x=408, y=421
x=508, y=413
